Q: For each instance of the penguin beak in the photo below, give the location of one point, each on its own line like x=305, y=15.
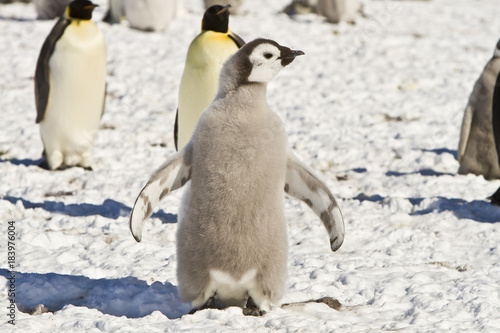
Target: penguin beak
x=287, y=56
x=92, y=6
x=226, y=7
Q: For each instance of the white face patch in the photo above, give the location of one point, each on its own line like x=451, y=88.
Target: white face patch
x=265, y=63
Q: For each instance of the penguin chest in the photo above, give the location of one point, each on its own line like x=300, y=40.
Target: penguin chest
x=77, y=84
x=199, y=83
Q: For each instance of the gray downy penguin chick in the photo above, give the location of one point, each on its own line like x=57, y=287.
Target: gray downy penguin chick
x=477, y=153
x=49, y=9
x=70, y=87
x=232, y=240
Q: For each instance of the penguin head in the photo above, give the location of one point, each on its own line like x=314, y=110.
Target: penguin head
x=497, y=50
x=256, y=62
x=216, y=18
x=266, y=58
x=80, y=10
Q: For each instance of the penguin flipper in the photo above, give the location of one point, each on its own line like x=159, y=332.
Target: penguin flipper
x=236, y=39
x=42, y=83
x=465, y=131
x=176, y=129
x=172, y=175
x=495, y=115
x=302, y=184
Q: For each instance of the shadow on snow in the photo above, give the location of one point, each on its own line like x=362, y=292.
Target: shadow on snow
x=477, y=210
x=129, y=296
x=109, y=208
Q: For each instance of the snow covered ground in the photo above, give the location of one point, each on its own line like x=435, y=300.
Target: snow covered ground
x=375, y=108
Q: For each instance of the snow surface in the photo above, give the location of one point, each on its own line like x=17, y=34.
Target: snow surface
x=374, y=108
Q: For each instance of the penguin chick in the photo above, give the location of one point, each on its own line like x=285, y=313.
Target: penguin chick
x=70, y=87
x=232, y=239
x=206, y=55
x=477, y=153
x=49, y=9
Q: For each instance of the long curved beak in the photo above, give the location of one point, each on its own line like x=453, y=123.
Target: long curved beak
x=226, y=7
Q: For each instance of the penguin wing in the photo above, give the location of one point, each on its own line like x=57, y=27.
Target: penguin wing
x=302, y=184
x=236, y=39
x=465, y=131
x=173, y=174
x=176, y=129
x=496, y=115
x=42, y=74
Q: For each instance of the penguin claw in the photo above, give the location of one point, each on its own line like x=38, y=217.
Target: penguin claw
x=210, y=304
x=251, y=309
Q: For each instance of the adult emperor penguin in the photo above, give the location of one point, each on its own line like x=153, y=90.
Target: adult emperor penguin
x=70, y=87
x=235, y=4
x=206, y=55
x=336, y=11
x=476, y=150
x=232, y=238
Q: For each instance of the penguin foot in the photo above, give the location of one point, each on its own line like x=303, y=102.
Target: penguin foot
x=251, y=309
x=495, y=198
x=210, y=304
x=44, y=165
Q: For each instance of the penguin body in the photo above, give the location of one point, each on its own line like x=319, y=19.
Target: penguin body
x=49, y=9
x=336, y=11
x=146, y=15
x=206, y=55
x=70, y=85
x=150, y=15
x=232, y=240
x=477, y=153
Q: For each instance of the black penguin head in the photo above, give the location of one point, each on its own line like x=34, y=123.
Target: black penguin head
x=216, y=18
x=257, y=62
x=81, y=9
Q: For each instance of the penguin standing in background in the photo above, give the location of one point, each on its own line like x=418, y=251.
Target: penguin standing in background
x=477, y=153
x=206, y=55
x=70, y=87
x=232, y=241
x=495, y=198
x=336, y=11
x=49, y=9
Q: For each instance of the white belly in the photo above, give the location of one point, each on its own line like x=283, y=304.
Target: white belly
x=77, y=88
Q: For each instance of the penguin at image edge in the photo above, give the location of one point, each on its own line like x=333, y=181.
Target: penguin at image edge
x=477, y=153
x=199, y=83
x=70, y=88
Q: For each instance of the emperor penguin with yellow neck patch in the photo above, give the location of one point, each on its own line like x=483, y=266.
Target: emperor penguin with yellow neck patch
x=206, y=55
x=70, y=87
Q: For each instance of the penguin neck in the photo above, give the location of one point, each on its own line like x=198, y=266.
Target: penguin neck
x=250, y=96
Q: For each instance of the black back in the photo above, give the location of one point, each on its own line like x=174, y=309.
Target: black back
x=42, y=84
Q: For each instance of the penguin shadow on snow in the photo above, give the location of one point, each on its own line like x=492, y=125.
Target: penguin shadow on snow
x=477, y=210
x=26, y=162
x=109, y=208
x=130, y=297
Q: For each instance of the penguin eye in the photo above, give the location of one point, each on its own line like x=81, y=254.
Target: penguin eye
x=268, y=55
